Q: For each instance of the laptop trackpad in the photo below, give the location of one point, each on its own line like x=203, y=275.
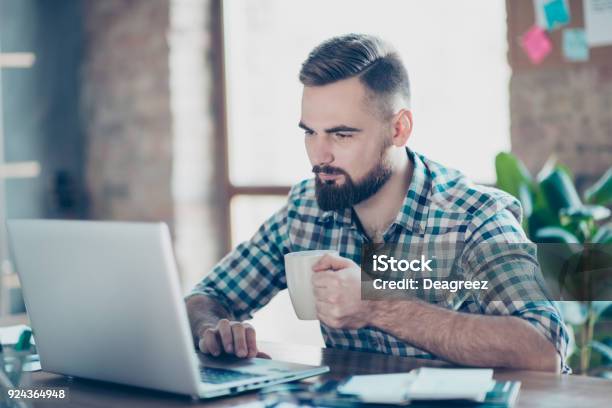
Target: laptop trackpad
x=254, y=365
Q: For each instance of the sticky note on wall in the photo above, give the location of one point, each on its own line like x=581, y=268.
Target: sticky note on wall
x=551, y=14
x=598, y=22
x=557, y=13
x=575, y=47
x=536, y=44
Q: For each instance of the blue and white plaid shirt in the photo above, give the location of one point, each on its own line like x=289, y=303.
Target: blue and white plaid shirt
x=440, y=204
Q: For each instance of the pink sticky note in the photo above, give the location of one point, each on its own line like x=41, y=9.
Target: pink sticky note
x=536, y=44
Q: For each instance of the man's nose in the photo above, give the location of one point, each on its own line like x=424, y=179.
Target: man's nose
x=320, y=149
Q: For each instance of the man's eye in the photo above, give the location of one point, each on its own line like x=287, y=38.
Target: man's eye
x=343, y=135
x=308, y=132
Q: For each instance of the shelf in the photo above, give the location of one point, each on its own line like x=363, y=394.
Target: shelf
x=17, y=59
x=27, y=169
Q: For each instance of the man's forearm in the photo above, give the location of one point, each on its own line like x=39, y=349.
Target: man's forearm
x=468, y=339
x=204, y=311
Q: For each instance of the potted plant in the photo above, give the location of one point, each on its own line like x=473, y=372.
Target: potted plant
x=554, y=212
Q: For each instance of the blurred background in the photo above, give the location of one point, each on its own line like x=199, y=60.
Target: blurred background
x=186, y=111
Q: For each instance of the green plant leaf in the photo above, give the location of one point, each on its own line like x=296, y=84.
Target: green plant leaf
x=603, y=349
x=566, y=170
x=548, y=167
x=580, y=221
x=526, y=199
x=511, y=174
x=540, y=218
x=603, y=235
x=600, y=306
x=584, y=212
x=601, y=191
x=559, y=191
x=552, y=165
x=555, y=235
x=585, y=275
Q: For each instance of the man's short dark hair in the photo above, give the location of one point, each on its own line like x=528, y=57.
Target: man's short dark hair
x=375, y=62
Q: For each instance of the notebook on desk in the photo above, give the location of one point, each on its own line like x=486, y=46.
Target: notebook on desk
x=431, y=387
x=327, y=394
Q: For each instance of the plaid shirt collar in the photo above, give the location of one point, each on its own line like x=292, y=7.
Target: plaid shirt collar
x=414, y=212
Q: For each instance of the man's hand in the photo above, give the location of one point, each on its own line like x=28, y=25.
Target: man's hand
x=229, y=337
x=337, y=289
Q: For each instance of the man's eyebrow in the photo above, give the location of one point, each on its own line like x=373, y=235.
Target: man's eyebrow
x=335, y=129
x=342, y=128
x=303, y=126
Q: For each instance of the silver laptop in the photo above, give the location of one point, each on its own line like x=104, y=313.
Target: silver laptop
x=104, y=303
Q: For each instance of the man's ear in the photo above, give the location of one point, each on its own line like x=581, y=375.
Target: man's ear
x=402, y=127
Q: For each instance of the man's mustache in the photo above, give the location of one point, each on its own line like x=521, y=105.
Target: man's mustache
x=327, y=169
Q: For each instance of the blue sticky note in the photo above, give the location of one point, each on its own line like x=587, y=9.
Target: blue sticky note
x=556, y=13
x=575, y=47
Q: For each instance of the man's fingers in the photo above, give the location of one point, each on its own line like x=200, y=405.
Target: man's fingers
x=230, y=337
x=209, y=343
x=324, y=279
x=202, y=346
x=323, y=293
x=331, y=262
x=240, y=344
x=225, y=332
x=324, y=308
x=251, y=341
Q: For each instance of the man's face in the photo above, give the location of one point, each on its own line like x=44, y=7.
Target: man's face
x=346, y=141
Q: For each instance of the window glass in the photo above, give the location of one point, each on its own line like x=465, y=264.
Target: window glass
x=455, y=53
x=249, y=212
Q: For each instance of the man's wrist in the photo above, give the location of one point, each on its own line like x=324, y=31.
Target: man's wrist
x=385, y=314
x=373, y=308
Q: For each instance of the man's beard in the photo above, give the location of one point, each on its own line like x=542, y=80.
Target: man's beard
x=333, y=197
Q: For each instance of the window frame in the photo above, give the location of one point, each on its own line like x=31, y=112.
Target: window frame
x=230, y=190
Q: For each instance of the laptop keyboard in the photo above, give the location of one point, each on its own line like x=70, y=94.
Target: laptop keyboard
x=219, y=375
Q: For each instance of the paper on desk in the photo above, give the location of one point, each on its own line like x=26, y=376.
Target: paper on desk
x=421, y=384
x=451, y=383
x=31, y=366
x=379, y=388
x=9, y=335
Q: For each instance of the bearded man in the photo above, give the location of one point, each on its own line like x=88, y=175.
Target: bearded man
x=369, y=187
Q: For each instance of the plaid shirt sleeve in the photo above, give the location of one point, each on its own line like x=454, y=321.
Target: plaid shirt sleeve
x=249, y=276
x=500, y=253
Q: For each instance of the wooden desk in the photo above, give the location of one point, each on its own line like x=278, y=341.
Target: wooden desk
x=538, y=389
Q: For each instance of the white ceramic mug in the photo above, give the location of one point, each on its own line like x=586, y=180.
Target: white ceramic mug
x=298, y=270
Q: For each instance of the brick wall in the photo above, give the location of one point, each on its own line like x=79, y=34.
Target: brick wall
x=126, y=108
x=566, y=112
x=151, y=110
x=560, y=107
